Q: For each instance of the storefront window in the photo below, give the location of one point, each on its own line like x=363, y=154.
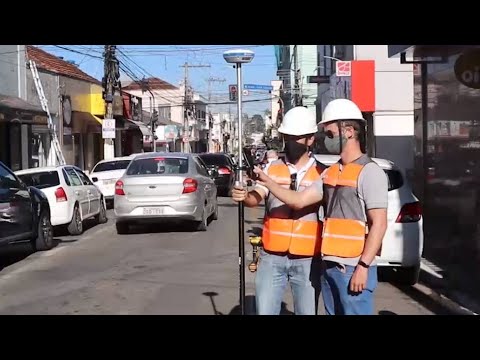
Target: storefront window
x=448, y=162
x=40, y=148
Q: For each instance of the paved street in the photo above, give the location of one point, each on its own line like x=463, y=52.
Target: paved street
x=157, y=270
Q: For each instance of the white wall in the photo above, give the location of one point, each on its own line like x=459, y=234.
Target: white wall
x=394, y=103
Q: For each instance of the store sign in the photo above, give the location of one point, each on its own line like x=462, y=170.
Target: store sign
x=467, y=69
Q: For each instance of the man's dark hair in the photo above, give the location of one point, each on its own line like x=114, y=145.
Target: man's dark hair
x=358, y=127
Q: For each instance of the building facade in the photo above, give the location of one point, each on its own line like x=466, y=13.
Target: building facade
x=294, y=64
x=447, y=148
x=19, y=118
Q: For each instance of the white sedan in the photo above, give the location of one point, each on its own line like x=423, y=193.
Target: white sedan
x=106, y=173
x=71, y=194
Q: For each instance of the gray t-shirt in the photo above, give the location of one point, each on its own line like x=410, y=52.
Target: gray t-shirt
x=373, y=194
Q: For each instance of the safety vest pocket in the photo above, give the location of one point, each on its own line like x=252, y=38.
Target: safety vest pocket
x=343, y=237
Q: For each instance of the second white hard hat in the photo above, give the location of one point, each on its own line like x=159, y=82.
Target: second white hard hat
x=341, y=109
x=299, y=121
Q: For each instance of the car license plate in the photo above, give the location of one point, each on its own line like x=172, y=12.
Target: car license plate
x=109, y=182
x=153, y=211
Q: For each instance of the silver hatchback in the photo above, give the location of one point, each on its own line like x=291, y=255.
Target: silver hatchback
x=165, y=186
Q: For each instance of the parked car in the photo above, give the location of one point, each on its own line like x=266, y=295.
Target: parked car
x=106, y=173
x=72, y=196
x=24, y=213
x=226, y=170
x=168, y=186
x=403, y=242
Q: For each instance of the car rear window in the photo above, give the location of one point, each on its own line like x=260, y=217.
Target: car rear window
x=218, y=160
x=158, y=166
x=41, y=180
x=395, y=179
x=111, y=165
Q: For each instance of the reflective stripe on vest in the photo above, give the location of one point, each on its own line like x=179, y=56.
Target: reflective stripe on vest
x=345, y=229
x=298, y=232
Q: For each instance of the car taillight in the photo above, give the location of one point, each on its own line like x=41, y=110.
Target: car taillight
x=189, y=185
x=224, y=171
x=119, y=188
x=411, y=212
x=60, y=195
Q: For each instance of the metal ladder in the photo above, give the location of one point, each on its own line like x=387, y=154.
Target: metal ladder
x=44, y=102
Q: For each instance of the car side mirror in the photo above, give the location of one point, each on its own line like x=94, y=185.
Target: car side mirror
x=95, y=179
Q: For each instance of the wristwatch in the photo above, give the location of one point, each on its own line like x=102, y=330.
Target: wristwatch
x=361, y=263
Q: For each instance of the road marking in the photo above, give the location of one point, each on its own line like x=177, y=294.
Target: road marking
x=431, y=268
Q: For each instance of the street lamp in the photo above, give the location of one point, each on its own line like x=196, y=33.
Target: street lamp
x=239, y=57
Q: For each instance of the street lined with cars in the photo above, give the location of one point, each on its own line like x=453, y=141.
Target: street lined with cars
x=143, y=259
x=158, y=269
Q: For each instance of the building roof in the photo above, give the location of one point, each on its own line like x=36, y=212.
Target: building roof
x=54, y=64
x=153, y=83
x=16, y=103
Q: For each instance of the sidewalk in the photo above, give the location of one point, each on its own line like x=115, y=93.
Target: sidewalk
x=455, y=254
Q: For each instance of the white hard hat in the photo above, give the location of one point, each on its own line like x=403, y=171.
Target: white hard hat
x=298, y=121
x=341, y=109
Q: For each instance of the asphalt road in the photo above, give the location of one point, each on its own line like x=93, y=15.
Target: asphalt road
x=156, y=270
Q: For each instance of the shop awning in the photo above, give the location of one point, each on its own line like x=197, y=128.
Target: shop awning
x=141, y=126
x=421, y=52
x=18, y=104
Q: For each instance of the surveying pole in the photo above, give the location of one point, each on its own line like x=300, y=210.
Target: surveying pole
x=239, y=57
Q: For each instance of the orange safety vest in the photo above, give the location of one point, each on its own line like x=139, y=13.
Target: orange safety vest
x=345, y=227
x=284, y=229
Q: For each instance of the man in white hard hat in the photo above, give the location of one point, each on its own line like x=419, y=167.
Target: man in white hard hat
x=291, y=239
x=355, y=192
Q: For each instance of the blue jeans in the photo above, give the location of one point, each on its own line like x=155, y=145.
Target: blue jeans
x=271, y=280
x=338, y=299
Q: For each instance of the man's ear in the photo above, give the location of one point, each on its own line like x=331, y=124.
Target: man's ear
x=310, y=140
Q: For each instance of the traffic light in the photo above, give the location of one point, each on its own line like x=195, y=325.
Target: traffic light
x=232, y=90
x=154, y=116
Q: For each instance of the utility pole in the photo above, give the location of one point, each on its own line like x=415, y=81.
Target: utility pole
x=298, y=95
x=110, y=82
x=153, y=113
x=187, y=101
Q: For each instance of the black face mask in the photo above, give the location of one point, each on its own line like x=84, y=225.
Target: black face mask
x=294, y=150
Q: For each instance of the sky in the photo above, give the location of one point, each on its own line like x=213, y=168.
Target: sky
x=164, y=61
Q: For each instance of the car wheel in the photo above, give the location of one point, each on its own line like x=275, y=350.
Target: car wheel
x=407, y=275
x=202, y=225
x=101, y=218
x=122, y=228
x=44, y=240
x=76, y=225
